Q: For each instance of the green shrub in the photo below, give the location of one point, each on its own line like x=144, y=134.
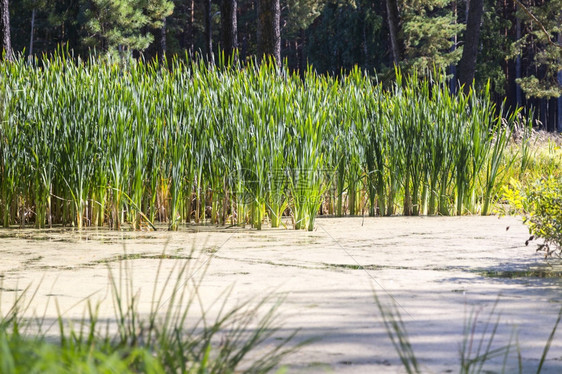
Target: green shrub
x=540, y=204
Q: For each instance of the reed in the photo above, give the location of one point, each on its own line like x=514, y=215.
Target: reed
x=171, y=337
x=479, y=351
x=96, y=143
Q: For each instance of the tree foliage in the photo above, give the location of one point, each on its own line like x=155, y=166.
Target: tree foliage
x=301, y=13
x=518, y=50
x=543, y=23
x=429, y=31
x=122, y=24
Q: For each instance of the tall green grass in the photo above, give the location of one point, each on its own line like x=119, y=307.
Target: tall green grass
x=91, y=143
x=169, y=338
x=478, y=348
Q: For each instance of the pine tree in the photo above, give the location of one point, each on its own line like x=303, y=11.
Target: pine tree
x=494, y=50
x=5, y=29
x=393, y=21
x=543, y=22
x=269, y=29
x=467, y=64
x=298, y=15
x=429, y=28
x=123, y=25
x=301, y=13
x=347, y=34
x=229, y=27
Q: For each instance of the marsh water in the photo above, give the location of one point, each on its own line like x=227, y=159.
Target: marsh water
x=436, y=271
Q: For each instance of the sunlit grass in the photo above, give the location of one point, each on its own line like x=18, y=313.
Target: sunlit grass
x=91, y=143
x=177, y=334
x=479, y=350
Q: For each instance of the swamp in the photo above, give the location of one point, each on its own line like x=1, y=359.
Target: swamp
x=439, y=271
x=192, y=219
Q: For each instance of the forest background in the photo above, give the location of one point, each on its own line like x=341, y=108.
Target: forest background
x=516, y=45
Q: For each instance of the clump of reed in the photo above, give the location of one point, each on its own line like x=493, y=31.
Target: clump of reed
x=170, y=338
x=479, y=351
x=91, y=143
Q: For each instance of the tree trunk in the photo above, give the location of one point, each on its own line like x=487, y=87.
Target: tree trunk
x=188, y=35
x=543, y=115
x=209, y=32
x=5, y=28
x=454, y=40
x=229, y=28
x=364, y=45
x=302, y=57
x=269, y=30
x=518, y=93
x=467, y=63
x=32, y=33
x=559, y=106
x=163, y=44
x=393, y=29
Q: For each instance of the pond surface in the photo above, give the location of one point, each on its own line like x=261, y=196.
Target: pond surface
x=436, y=270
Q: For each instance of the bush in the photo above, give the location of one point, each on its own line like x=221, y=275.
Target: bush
x=540, y=204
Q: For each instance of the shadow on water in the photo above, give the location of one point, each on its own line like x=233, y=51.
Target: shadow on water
x=529, y=273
